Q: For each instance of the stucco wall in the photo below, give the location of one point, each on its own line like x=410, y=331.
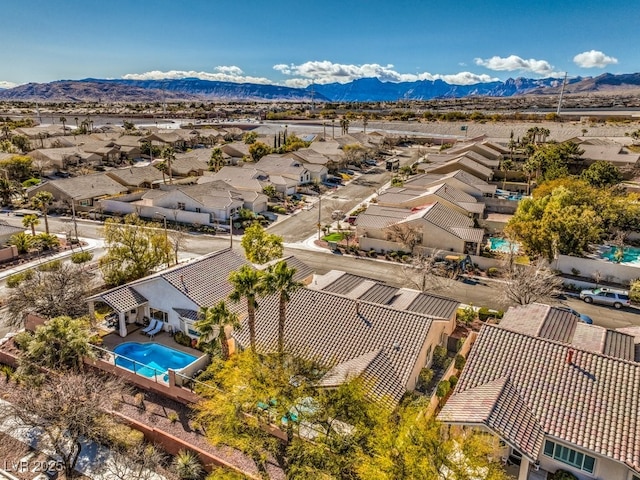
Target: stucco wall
x=610, y=271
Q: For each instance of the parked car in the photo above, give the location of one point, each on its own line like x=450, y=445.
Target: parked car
x=348, y=172
x=334, y=180
x=371, y=163
x=606, y=296
x=581, y=316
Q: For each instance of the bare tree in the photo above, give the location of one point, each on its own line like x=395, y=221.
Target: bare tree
x=135, y=463
x=179, y=239
x=406, y=234
x=62, y=411
x=422, y=273
x=525, y=284
x=56, y=292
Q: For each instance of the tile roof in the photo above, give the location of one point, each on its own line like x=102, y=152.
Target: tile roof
x=86, y=186
x=592, y=402
x=135, y=176
x=494, y=404
x=187, y=313
x=122, y=299
x=335, y=329
x=205, y=281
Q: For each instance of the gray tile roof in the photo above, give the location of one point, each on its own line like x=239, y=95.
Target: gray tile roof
x=86, y=186
x=136, y=176
x=187, y=313
x=553, y=323
x=122, y=299
x=592, y=402
x=205, y=281
x=433, y=305
x=335, y=329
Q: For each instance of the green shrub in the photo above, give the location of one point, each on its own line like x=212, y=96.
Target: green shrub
x=493, y=271
x=30, y=182
x=484, y=314
x=52, y=266
x=121, y=436
x=634, y=291
x=173, y=417
x=444, y=387
x=459, y=362
x=466, y=315
x=81, y=257
x=562, y=475
x=575, y=272
x=499, y=314
x=17, y=278
x=187, y=465
x=453, y=381
x=22, y=340
x=8, y=371
x=424, y=379
x=182, y=339
x=439, y=356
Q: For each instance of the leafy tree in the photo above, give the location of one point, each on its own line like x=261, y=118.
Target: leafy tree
x=212, y=324
x=602, y=174
x=65, y=410
x=250, y=137
x=8, y=188
x=61, y=344
x=279, y=279
x=216, y=162
x=60, y=292
x=18, y=167
x=270, y=191
x=42, y=200
x=31, y=221
x=247, y=283
x=260, y=246
x=133, y=250
x=21, y=142
x=258, y=150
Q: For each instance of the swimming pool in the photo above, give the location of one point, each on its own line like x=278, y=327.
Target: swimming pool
x=629, y=255
x=498, y=244
x=149, y=359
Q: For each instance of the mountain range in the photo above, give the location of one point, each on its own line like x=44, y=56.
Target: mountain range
x=361, y=90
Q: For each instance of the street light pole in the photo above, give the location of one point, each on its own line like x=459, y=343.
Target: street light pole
x=319, y=214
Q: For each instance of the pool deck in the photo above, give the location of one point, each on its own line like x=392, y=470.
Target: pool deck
x=112, y=340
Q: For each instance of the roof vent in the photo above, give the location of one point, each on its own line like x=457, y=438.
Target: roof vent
x=396, y=347
x=570, y=353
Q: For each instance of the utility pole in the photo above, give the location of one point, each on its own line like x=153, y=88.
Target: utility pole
x=319, y=215
x=231, y=231
x=564, y=83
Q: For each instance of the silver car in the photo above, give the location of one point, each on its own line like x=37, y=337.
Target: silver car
x=606, y=296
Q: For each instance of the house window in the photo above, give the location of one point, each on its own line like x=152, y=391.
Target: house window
x=158, y=314
x=85, y=203
x=187, y=327
x=197, y=209
x=181, y=206
x=569, y=456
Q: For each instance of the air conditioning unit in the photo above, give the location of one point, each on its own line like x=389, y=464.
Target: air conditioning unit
x=536, y=466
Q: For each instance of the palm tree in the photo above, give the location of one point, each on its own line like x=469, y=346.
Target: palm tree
x=216, y=162
x=162, y=166
x=169, y=154
x=279, y=278
x=216, y=317
x=247, y=284
x=42, y=200
x=505, y=166
x=31, y=221
x=63, y=120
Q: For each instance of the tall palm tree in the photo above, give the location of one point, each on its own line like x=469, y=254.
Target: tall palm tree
x=8, y=188
x=169, y=154
x=42, y=200
x=162, y=166
x=216, y=317
x=247, y=284
x=31, y=221
x=279, y=279
x=63, y=120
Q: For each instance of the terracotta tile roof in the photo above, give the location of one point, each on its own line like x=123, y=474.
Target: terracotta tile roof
x=592, y=402
x=494, y=404
x=335, y=329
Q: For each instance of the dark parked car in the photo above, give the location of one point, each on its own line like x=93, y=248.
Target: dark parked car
x=581, y=316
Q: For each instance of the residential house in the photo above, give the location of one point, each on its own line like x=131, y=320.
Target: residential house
x=246, y=178
x=209, y=204
x=352, y=338
x=53, y=159
x=613, y=153
x=317, y=164
x=176, y=295
x=439, y=228
x=443, y=164
x=560, y=394
x=447, y=195
x=286, y=174
x=458, y=179
x=146, y=176
x=236, y=151
x=81, y=193
x=192, y=164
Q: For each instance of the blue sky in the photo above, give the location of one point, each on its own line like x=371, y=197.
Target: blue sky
x=296, y=42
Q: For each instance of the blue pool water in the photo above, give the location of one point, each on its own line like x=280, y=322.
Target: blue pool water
x=629, y=254
x=503, y=245
x=156, y=358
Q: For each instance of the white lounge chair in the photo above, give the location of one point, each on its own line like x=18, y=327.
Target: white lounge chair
x=153, y=324
x=159, y=327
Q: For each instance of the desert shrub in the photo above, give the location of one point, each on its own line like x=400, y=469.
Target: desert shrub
x=187, y=465
x=493, y=272
x=453, y=381
x=466, y=315
x=22, y=340
x=172, y=417
x=81, y=257
x=424, y=379
x=634, y=291
x=182, y=339
x=120, y=436
x=17, y=278
x=52, y=266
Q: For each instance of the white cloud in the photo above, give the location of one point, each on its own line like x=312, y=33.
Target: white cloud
x=593, y=59
x=514, y=62
x=4, y=84
x=323, y=72
x=221, y=74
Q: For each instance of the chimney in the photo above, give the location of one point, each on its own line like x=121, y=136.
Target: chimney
x=357, y=307
x=570, y=356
